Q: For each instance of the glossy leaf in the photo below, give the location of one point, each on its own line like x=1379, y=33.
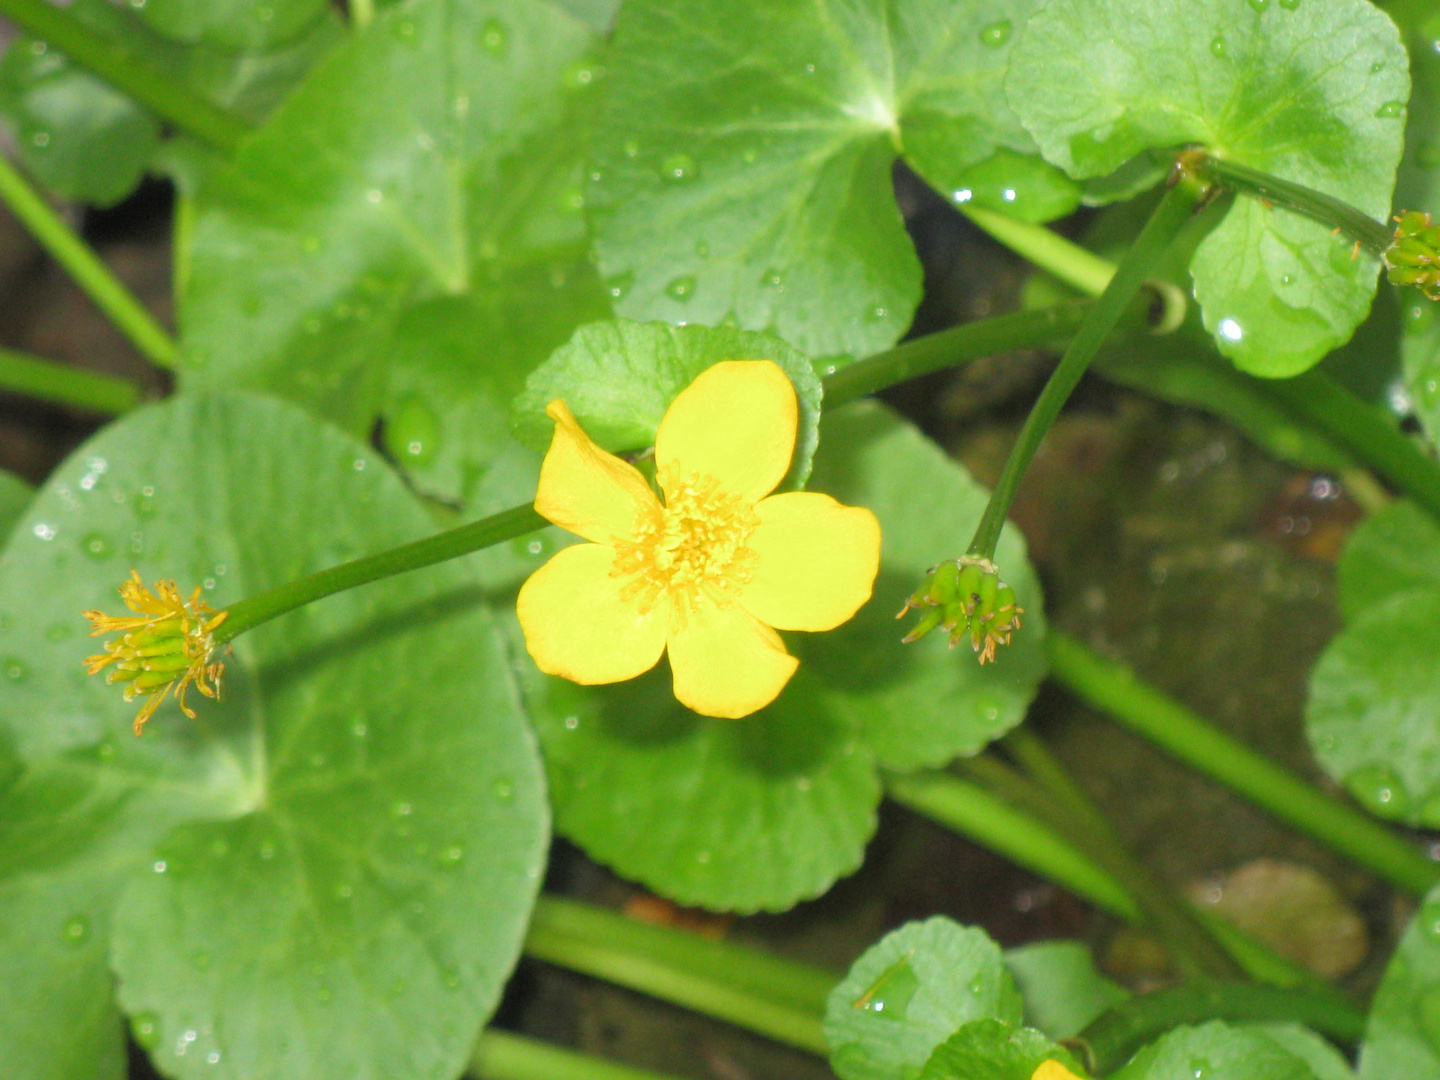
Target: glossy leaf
x=992, y=1050
x=743, y=171
x=1216, y=1049
x=235, y=24
x=1311, y=92
x=1062, y=988
x=1373, y=700
x=1393, y=550
x=1402, y=1036
x=329, y=871
x=435, y=157
x=619, y=377
x=909, y=992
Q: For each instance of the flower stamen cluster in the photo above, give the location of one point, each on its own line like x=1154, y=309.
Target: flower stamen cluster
x=166, y=646
x=963, y=596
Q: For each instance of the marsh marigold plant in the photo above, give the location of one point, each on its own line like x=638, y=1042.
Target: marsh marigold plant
x=708, y=571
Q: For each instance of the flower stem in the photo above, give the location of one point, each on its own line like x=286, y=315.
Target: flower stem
x=81, y=262
x=262, y=607
x=1114, y=688
x=1326, y=209
x=500, y=1055
x=1110, y=1040
x=1064, y=259
x=125, y=69
x=1165, y=223
x=949, y=348
x=61, y=384
x=779, y=998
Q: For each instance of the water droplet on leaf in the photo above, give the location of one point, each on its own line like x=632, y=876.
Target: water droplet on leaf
x=145, y=1027
x=996, y=34
x=682, y=288
x=76, y=930
x=679, y=168
x=1379, y=790
x=890, y=995
x=15, y=669
x=494, y=37
x=1217, y=47
x=1391, y=110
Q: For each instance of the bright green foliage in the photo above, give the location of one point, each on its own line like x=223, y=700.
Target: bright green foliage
x=434, y=162
x=1311, y=92
x=761, y=812
x=909, y=992
x=993, y=1050
x=1373, y=700
x=1325, y=1061
x=1062, y=988
x=743, y=170
x=1402, y=1039
x=329, y=871
x=1395, y=549
x=15, y=496
x=233, y=24
x=618, y=378
x=1218, y=1050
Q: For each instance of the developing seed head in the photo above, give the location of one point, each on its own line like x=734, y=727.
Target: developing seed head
x=966, y=596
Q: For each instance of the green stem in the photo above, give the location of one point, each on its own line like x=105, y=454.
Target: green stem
x=499, y=1055
x=1196, y=951
x=61, y=384
x=361, y=12
x=81, y=262
x=1111, y=1039
x=1297, y=198
x=262, y=607
x=1064, y=259
x=125, y=69
x=1164, y=224
x=779, y=998
x=1114, y=688
x=949, y=348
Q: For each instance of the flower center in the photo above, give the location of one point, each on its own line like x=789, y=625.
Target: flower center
x=694, y=547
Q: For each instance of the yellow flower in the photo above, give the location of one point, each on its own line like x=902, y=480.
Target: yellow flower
x=706, y=574
x=1053, y=1070
x=166, y=645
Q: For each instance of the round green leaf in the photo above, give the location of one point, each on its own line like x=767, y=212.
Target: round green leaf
x=992, y=1050
x=619, y=377
x=743, y=169
x=1374, y=696
x=1062, y=988
x=1402, y=1035
x=436, y=154
x=1216, y=1049
x=736, y=815
x=328, y=872
x=921, y=704
x=909, y=992
x=1395, y=549
x=1311, y=92
x=15, y=496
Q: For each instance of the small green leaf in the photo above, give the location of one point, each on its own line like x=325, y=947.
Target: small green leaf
x=453, y=137
x=619, y=377
x=1326, y=1062
x=1311, y=92
x=15, y=496
x=921, y=704
x=354, y=831
x=1216, y=1050
x=993, y=1050
x=743, y=172
x=1373, y=700
x=1393, y=550
x=909, y=992
x=1402, y=1036
x=736, y=815
x=233, y=24
x=1062, y=988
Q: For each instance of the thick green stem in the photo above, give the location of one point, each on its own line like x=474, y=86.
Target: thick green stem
x=500, y=1055
x=61, y=384
x=1063, y=259
x=1371, y=234
x=1111, y=1040
x=81, y=262
x=262, y=607
x=119, y=65
x=1114, y=688
x=1164, y=224
x=949, y=348
x=779, y=998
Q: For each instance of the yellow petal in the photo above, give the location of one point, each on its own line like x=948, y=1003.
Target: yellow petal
x=1053, y=1070
x=576, y=626
x=586, y=489
x=816, y=561
x=735, y=422
x=726, y=662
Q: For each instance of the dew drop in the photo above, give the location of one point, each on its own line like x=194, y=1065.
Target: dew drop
x=15, y=669
x=681, y=289
x=359, y=729
x=1391, y=110
x=401, y=809
x=774, y=279
x=452, y=855
x=412, y=433
x=502, y=790
x=1379, y=790
x=876, y=313
x=494, y=37
x=76, y=930
x=996, y=34
x=1289, y=5
x=571, y=723
x=145, y=1028
x=1231, y=330
x=620, y=285
x=160, y=866
x=212, y=1058
x=890, y=995
x=579, y=75
x=1217, y=47
x=679, y=168
x=1259, y=5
